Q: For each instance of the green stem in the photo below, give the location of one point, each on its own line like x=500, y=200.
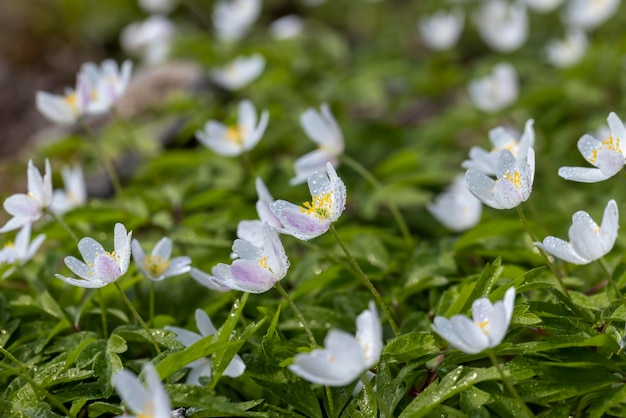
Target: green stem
x=61, y=222
x=382, y=405
x=404, y=229
x=507, y=382
x=137, y=317
x=366, y=281
x=151, y=304
x=103, y=314
x=108, y=167
x=609, y=277
x=248, y=167
x=545, y=256
x=331, y=403
x=295, y=309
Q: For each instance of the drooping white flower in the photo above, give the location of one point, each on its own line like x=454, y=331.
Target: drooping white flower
x=202, y=367
x=22, y=249
x=107, y=84
x=151, y=39
x=239, y=73
x=158, y=6
x=501, y=138
x=487, y=328
x=232, y=141
x=65, y=109
x=607, y=154
x=146, y=401
x=502, y=25
x=457, y=208
x=233, y=18
x=28, y=208
x=157, y=266
x=313, y=218
x=321, y=127
x=252, y=230
x=100, y=267
x=496, y=91
x=442, y=30
x=587, y=241
x=568, y=51
x=344, y=356
x=75, y=193
x=286, y=27
x=543, y=6
x=589, y=14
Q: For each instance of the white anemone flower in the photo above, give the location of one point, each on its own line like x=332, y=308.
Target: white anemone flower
x=151, y=40
x=496, y=91
x=321, y=127
x=158, y=265
x=589, y=14
x=501, y=138
x=442, y=30
x=569, y=51
x=344, y=357
x=587, y=241
x=503, y=26
x=486, y=329
x=107, y=84
x=232, y=141
x=150, y=400
x=543, y=6
x=233, y=18
x=312, y=219
x=286, y=27
x=28, y=208
x=75, y=193
x=100, y=267
x=239, y=73
x=202, y=367
x=22, y=249
x=608, y=154
x=457, y=208
x=64, y=109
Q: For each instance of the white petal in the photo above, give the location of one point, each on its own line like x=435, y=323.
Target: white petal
x=481, y=186
x=184, y=336
x=133, y=394
x=204, y=324
x=163, y=248
x=609, y=227
x=90, y=249
x=369, y=335
x=582, y=175
x=160, y=402
x=79, y=268
x=561, y=249
x=617, y=126
x=236, y=367
x=474, y=337
x=89, y=284
x=444, y=328
x=122, y=247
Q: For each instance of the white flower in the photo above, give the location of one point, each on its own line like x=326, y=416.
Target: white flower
x=211, y=281
x=608, y=155
x=513, y=183
x=28, y=208
x=202, y=367
x=252, y=230
x=151, y=39
x=587, y=241
x=321, y=127
x=286, y=27
x=239, y=73
x=107, y=84
x=457, y=208
x=311, y=220
x=158, y=6
x=232, y=141
x=501, y=139
x=502, y=25
x=75, y=193
x=65, y=109
x=569, y=51
x=441, y=30
x=233, y=18
x=496, y=91
x=589, y=14
x=345, y=357
x=543, y=6
x=157, y=266
x=22, y=249
x=487, y=328
x=145, y=401
x=101, y=267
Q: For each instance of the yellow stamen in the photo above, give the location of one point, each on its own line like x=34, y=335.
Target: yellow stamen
x=155, y=265
x=609, y=144
x=321, y=206
x=263, y=262
x=9, y=245
x=235, y=134
x=147, y=414
x=516, y=178
x=483, y=325
x=72, y=100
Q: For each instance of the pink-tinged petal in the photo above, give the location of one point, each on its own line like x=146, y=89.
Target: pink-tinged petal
x=369, y=335
x=132, y=392
x=474, y=337
x=610, y=225
x=506, y=194
x=204, y=324
x=79, y=268
x=297, y=223
x=89, y=284
x=23, y=206
x=582, y=175
x=184, y=336
x=163, y=248
x=208, y=280
x=311, y=163
x=106, y=268
x=562, y=250
x=249, y=276
x=90, y=249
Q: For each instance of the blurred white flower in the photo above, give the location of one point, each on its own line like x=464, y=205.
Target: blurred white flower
x=487, y=328
x=100, y=267
x=502, y=25
x=286, y=27
x=232, y=141
x=233, y=18
x=28, y=208
x=239, y=73
x=496, y=91
x=22, y=249
x=158, y=6
x=151, y=39
x=202, y=367
x=345, y=357
x=587, y=241
x=607, y=154
x=568, y=51
x=589, y=14
x=442, y=30
x=457, y=208
x=75, y=193
x=157, y=266
x=65, y=109
x=543, y=6
x=107, y=84
x=322, y=129
x=145, y=401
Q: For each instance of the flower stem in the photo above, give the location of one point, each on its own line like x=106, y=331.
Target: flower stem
x=551, y=266
x=366, y=281
x=507, y=382
x=108, y=167
x=61, y=222
x=295, y=309
x=151, y=304
x=404, y=229
x=103, y=314
x=137, y=317
x=382, y=405
x=331, y=403
x=609, y=277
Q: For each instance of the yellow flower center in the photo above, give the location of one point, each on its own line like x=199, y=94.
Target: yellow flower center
x=610, y=144
x=147, y=413
x=483, y=326
x=72, y=100
x=155, y=265
x=511, y=146
x=235, y=134
x=9, y=245
x=516, y=178
x=321, y=206
x=263, y=262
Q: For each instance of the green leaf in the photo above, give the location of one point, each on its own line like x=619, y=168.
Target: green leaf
x=411, y=346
